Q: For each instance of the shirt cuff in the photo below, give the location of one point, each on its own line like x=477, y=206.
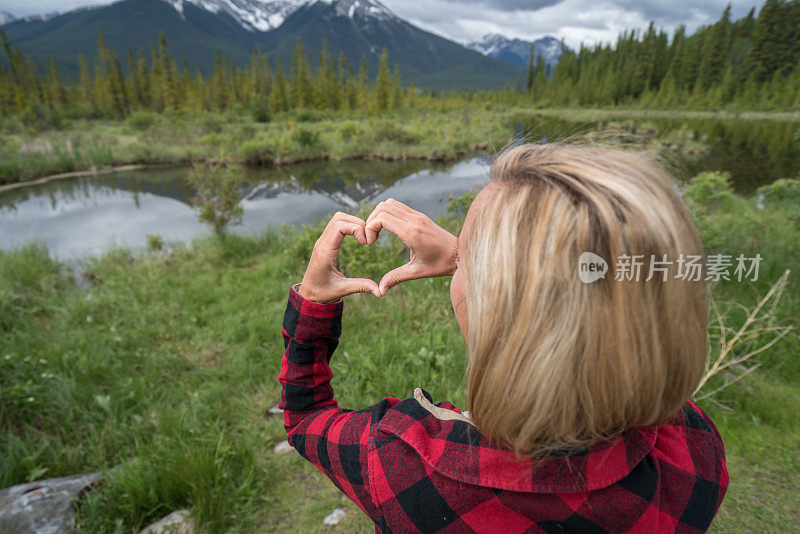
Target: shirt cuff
x=314, y=309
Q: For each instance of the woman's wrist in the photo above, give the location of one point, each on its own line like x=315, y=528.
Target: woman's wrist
x=308, y=293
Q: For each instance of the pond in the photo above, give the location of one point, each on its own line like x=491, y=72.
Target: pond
x=83, y=216
x=754, y=152
x=76, y=217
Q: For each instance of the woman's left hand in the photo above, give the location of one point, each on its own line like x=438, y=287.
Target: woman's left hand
x=323, y=282
x=433, y=249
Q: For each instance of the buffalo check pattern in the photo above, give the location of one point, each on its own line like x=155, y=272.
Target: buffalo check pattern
x=413, y=466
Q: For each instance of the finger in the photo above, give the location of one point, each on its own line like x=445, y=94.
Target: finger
x=342, y=216
x=399, y=227
x=403, y=273
x=397, y=207
x=360, y=285
x=348, y=228
x=392, y=206
x=331, y=240
x=378, y=209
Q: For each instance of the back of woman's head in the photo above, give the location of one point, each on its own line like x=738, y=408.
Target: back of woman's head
x=559, y=363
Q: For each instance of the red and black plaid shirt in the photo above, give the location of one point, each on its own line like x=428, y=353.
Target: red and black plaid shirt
x=415, y=466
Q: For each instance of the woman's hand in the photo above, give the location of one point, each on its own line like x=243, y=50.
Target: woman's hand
x=324, y=283
x=433, y=249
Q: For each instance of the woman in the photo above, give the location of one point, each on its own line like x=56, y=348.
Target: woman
x=580, y=417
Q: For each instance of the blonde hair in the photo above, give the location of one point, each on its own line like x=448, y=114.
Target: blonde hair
x=555, y=363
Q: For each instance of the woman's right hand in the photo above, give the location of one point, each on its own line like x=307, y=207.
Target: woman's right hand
x=433, y=249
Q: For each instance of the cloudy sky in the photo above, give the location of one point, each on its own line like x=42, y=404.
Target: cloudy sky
x=587, y=21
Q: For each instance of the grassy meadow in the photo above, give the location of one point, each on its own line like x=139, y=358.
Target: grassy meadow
x=440, y=133
x=164, y=363
x=443, y=132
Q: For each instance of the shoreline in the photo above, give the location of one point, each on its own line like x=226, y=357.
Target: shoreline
x=92, y=172
x=783, y=116
x=332, y=149
x=280, y=162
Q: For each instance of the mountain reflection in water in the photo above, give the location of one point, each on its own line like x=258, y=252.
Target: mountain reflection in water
x=84, y=216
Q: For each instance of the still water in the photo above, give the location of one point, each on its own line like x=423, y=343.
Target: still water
x=85, y=216
x=754, y=152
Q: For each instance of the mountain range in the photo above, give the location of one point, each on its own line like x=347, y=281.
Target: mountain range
x=6, y=17
x=517, y=51
x=197, y=29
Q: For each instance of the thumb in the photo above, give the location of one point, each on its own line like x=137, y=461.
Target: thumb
x=360, y=285
x=395, y=276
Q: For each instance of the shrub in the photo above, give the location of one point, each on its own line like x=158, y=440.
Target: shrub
x=155, y=242
x=460, y=204
x=708, y=191
x=40, y=117
x=309, y=115
x=260, y=111
x=389, y=131
x=348, y=131
x=783, y=195
x=217, y=196
x=141, y=120
x=305, y=137
x=246, y=131
x=258, y=153
x=212, y=123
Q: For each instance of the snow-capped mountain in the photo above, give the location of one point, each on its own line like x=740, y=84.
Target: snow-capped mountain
x=517, y=51
x=252, y=15
x=364, y=8
x=197, y=30
x=265, y=15
x=6, y=17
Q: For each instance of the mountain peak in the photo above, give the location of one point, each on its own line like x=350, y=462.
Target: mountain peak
x=364, y=8
x=266, y=15
x=252, y=15
x=517, y=51
x=6, y=17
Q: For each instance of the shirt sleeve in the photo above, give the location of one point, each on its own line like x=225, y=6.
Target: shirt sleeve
x=336, y=441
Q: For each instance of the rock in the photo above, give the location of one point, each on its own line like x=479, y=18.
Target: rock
x=44, y=506
x=334, y=517
x=283, y=448
x=178, y=522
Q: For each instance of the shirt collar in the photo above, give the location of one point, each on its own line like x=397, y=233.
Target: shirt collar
x=452, y=446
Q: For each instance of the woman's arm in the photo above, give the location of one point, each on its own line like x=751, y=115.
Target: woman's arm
x=335, y=440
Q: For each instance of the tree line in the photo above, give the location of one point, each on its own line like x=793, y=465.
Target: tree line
x=154, y=81
x=753, y=62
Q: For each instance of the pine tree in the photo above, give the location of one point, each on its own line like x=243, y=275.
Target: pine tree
x=539, y=81
x=383, y=82
x=529, y=85
x=278, y=97
x=363, y=85
x=715, y=49
x=397, y=89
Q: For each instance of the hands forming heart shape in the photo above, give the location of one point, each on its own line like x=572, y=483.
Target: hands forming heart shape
x=433, y=252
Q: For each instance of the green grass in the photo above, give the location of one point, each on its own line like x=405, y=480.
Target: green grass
x=435, y=134
x=164, y=365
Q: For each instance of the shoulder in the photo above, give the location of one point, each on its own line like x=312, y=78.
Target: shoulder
x=690, y=438
x=691, y=458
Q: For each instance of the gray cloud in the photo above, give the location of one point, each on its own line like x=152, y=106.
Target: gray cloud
x=577, y=21
x=521, y=5
x=23, y=8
